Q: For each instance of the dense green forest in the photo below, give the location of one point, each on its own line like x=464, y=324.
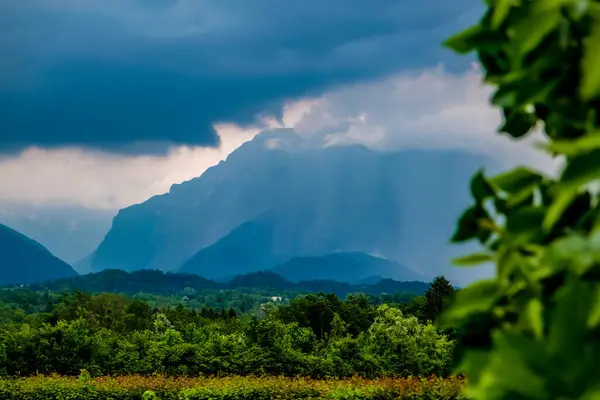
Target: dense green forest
x=223, y=332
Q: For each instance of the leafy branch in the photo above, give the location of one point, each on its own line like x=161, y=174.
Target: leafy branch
x=533, y=332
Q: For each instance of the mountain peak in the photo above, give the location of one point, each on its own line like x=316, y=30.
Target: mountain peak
x=278, y=134
x=313, y=200
x=271, y=139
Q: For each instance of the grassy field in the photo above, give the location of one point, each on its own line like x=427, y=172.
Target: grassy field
x=235, y=388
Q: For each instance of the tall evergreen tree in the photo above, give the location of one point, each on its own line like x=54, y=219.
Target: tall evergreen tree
x=436, y=297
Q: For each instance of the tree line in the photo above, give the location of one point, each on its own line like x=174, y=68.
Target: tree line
x=316, y=335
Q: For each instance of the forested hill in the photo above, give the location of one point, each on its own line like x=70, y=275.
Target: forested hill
x=153, y=281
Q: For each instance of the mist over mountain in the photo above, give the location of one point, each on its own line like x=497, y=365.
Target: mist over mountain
x=290, y=199
x=69, y=232
x=23, y=260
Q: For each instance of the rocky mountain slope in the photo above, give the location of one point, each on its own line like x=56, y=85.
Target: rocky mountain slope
x=289, y=199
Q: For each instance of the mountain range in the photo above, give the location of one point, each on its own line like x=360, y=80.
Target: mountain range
x=277, y=203
x=25, y=261
x=277, y=197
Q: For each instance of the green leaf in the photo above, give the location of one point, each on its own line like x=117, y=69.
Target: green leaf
x=505, y=96
x=569, y=322
x=591, y=394
x=515, y=91
x=567, y=341
x=515, y=288
x=524, y=197
x=577, y=214
x=484, y=234
x=508, y=373
x=573, y=252
x=545, y=6
x=494, y=62
x=530, y=31
x=580, y=171
x=509, y=87
x=547, y=192
x=535, y=94
x=515, y=349
x=534, y=317
x=477, y=298
x=558, y=207
x=501, y=205
x=480, y=188
x=575, y=147
x=531, y=351
x=466, y=41
x=528, y=266
x=517, y=180
x=507, y=262
x=476, y=37
x=524, y=224
x=501, y=11
x=473, y=259
x=468, y=224
x=594, y=317
x=590, y=63
x=518, y=123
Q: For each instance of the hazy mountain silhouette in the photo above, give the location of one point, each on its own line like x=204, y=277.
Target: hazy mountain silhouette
x=261, y=279
x=370, y=280
x=24, y=261
x=69, y=232
x=248, y=248
x=351, y=267
x=402, y=205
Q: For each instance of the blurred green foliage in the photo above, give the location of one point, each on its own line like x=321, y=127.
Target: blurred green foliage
x=533, y=332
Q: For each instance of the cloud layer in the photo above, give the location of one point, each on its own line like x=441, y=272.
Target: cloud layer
x=107, y=75
x=430, y=108
x=427, y=109
x=92, y=179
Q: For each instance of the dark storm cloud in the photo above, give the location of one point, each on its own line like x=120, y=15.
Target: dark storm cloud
x=108, y=74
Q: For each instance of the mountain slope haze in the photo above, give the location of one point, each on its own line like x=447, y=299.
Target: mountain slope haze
x=402, y=205
x=24, y=261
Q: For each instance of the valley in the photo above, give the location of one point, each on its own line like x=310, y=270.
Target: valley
x=157, y=325
x=280, y=261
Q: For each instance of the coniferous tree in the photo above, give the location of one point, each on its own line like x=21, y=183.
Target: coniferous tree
x=436, y=297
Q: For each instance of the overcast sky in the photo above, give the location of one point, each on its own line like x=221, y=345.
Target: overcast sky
x=105, y=103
